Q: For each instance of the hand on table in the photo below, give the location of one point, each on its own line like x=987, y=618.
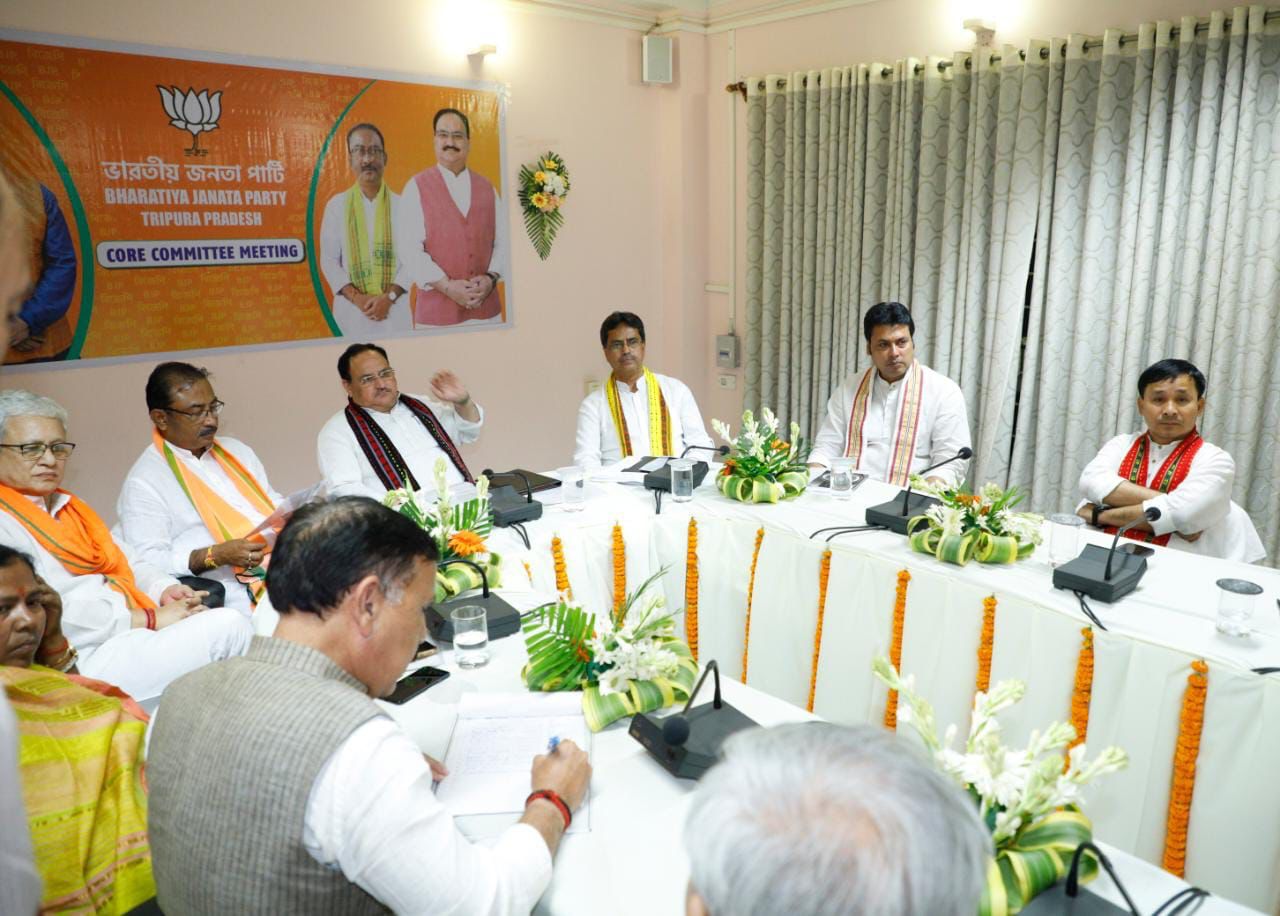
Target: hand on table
x=565, y=771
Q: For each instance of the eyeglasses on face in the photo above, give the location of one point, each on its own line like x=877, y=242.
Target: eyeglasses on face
x=34, y=451
x=212, y=409
x=456, y=136
x=631, y=343
x=376, y=152
x=387, y=373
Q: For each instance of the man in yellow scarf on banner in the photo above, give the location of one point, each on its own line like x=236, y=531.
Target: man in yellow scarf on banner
x=81, y=771
x=191, y=500
x=899, y=416
x=357, y=245
x=132, y=625
x=637, y=412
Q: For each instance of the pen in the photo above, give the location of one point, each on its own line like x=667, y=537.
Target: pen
x=553, y=744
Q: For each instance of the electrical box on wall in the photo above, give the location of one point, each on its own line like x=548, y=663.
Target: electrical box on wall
x=727, y=351
x=659, y=56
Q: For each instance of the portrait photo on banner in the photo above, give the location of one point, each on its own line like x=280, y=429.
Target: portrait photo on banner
x=178, y=202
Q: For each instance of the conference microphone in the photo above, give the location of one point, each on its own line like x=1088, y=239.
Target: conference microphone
x=717, y=449
x=688, y=743
x=963, y=455
x=501, y=618
x=896, y=515
x=1096, y=573
x=660, y=480
x=505, y=502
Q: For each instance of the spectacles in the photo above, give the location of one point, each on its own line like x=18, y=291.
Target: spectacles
x=631, y=343
x=376, y=152
x=199, y=413
x=387, y=373
x=34, y=451
x=455, y=136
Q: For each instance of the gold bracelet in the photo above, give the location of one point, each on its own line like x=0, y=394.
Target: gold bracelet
x=209, y=562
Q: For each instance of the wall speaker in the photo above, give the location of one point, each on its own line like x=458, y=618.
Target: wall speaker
x=659, y=52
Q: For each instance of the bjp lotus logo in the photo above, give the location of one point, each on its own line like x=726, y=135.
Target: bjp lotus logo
x=192, y=113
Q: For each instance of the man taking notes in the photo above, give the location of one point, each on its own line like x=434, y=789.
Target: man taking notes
x=333, y=810
x=637, y=412
x=1169, y=466
x=899, y=416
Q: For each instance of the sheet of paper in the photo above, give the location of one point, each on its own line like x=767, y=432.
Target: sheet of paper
x=287, y=506
x=656, y=464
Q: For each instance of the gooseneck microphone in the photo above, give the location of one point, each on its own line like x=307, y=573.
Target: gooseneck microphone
x=719, y=450
x=514, y=472
x=1149, y=515
x=688, y=743
x=964, y=454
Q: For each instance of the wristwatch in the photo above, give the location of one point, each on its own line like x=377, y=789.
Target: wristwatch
x=393, y=295
x=1098, y=510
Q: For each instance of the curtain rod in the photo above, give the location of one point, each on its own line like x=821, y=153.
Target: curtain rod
x=1089, y=44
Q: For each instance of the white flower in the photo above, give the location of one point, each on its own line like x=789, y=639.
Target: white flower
x=949, y=519
x=770, y=421
x=722, y=429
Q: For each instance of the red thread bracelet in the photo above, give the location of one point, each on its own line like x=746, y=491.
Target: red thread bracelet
x=151, y=617
x=556, y=800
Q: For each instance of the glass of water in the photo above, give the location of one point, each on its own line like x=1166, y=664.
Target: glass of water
x=470, y=636
x=572, y=488
x=841, y=477
x=1064, y=537
x=681, y=479
x=1236, y=598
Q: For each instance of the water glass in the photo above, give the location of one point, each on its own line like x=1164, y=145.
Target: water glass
x=573, y=492
x=841, y=477
x=681, y=479
x=1236, y=598
x=470, y=636
x=1064, y=537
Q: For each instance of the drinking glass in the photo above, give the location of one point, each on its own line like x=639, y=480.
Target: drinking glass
x=681, y=479
x=841, y=477
x=1236, y=598
x=573, y=488
x=470, y=636
x=1064, y=537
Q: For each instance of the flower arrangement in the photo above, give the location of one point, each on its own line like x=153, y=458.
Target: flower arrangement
x=764, y=468
x=1028, y=801
x=981, y=526
x=458, y=530
x=543, y=188
x=624, y=662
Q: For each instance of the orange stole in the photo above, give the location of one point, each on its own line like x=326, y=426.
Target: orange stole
x=79, y=540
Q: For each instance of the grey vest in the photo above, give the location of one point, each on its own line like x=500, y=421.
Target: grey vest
x=235, y=752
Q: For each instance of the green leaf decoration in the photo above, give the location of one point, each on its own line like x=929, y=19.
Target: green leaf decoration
x=1038, y=857
x=543, y=187
x=555, y=637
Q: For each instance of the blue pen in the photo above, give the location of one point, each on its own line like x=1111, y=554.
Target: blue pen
x=553, y=744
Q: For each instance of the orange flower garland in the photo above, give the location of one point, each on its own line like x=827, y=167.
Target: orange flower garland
x=895, y=647
x=562, y=573
x=984, y=644
x=466, y=543
x=1190, y=723
x=619, y=572
x=528, y=571
x=1082, y=692
x=691, y=590
x=824, y=573
x=751, y=590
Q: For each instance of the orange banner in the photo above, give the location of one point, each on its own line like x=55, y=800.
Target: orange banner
x=178, y=204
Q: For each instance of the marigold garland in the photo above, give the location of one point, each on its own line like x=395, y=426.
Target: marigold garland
x=824, y=573
x=1082, y=692
x=751, y=590
x=1190, y=724
x=619, y=570
x=895, y=647
x=691, y=589
x=985, y=643
x=562, y=573
x=528, y=571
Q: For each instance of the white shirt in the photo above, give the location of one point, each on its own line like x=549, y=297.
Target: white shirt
x=1202, y=502
x=347, y=471
x=411, y=230
x=943, y=430
x=373, y=815
x=92, y=611
x=20, y=887
x=597, y=440
x=161, y=523
x=335, y=261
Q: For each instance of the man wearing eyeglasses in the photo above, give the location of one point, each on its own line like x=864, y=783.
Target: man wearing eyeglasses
x=192, y=498
x=384, y=440
x=130, y=623
x=453, y=232
x=357, y=244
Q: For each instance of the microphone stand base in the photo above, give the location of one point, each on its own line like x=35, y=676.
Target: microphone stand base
x=1087, y=574
x=708, y=729
x=890, y=515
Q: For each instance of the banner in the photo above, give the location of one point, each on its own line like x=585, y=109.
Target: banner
x=178, y=204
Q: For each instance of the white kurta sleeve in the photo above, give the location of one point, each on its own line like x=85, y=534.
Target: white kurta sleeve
x=1100, y=476
x=148, y=527
x=832, y=434
x=1201, y=500
x=411, y=239
x=464, y=431
x=342, y=463
x=372, y=814
x=586, y=449
x=332, y=231
x=151, y=579
x=950, y=433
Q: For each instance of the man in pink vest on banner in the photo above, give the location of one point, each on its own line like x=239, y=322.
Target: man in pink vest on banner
x=451, y=232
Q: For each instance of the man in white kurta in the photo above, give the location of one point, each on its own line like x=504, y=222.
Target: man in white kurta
x=378, y=309
x=602, y=438
x=370, y=384
x=899, y=417
x=1168, y=466
x=157, y=516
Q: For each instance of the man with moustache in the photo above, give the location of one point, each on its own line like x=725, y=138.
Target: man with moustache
x=898, y=417
x=190, y=500
x=452, y=231
x=357, y=244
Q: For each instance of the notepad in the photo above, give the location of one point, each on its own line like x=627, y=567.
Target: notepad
x=494, y=741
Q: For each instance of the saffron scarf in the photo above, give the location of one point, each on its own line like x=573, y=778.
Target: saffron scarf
x=81, y=762
x=376, y=275
x=1134, y=466
x=382, y=453
x=659, y=417
x=907, y=428
x=224, y=521
x=79, y=540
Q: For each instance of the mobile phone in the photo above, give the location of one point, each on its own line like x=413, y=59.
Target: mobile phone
x=415, y=682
